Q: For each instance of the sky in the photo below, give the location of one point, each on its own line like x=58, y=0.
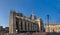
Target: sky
x=40, y=7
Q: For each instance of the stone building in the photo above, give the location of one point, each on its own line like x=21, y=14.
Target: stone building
x=53, y=27
x=1, y=28
x=4, y=30
x=20, y=23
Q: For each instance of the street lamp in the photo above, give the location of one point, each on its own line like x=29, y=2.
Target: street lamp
x=16, y=31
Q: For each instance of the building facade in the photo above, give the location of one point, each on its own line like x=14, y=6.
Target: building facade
x=4, y=30
x=20, y=23
x=52, y=27
x=1, y=28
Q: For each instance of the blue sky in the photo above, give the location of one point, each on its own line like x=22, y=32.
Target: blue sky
x=41, y=9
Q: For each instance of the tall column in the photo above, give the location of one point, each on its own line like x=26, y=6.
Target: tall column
x=23, y=25
x=35, y=27
x=12, y=22
x=19, y=25
x=32, y=26
x=27, y=25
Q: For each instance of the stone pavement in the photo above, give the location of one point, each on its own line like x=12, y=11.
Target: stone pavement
x=36, y=33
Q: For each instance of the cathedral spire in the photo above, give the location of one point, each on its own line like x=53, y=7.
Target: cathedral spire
x=32, y=16
x=32, y=13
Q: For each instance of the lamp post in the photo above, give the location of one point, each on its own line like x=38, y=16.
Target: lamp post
x=16, y=31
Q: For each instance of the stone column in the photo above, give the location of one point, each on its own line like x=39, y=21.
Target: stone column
x=30, y=25
x=12, y=24
x=27, y=25
x=23, y=25
x=33, y=26
x=36, y=27
x=19, y=24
